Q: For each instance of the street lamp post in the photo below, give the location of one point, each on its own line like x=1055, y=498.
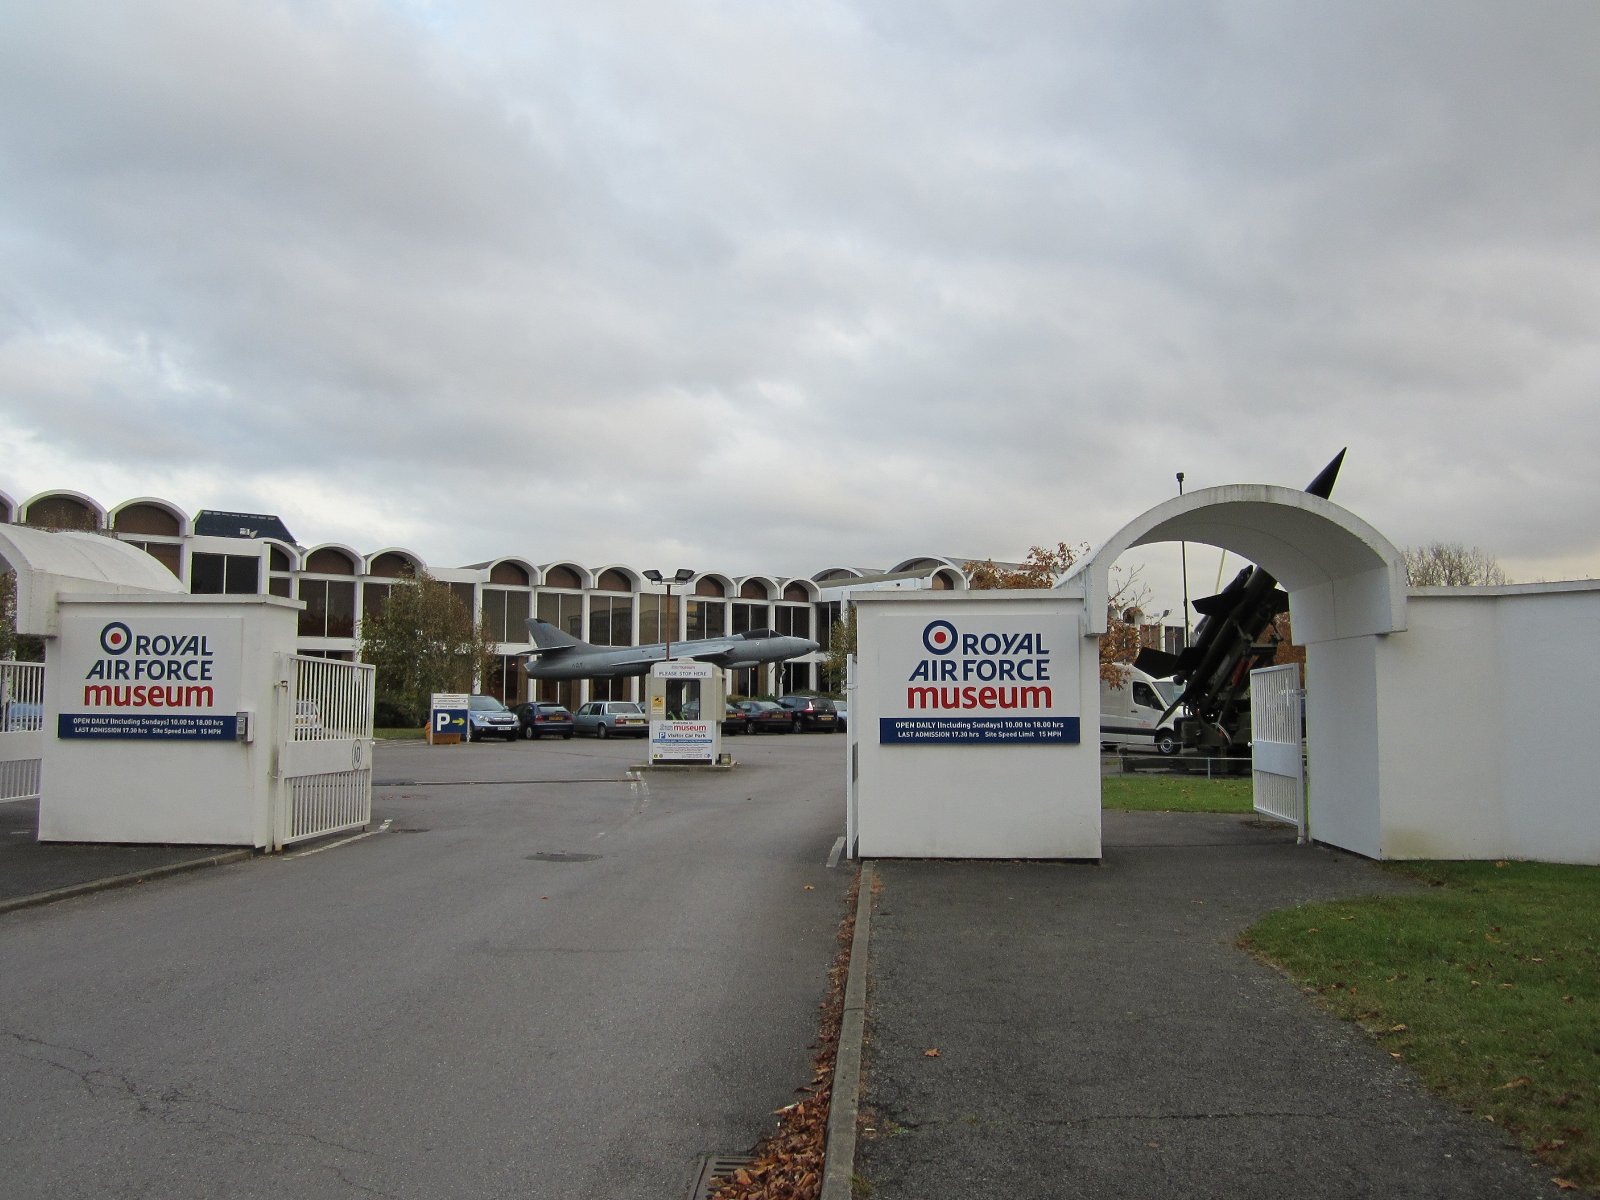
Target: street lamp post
x=1184, y=550
x=683, y=575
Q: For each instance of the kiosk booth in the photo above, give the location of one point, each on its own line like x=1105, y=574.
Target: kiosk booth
x=684, y=699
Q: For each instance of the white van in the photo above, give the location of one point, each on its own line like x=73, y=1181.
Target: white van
x=1130, y=715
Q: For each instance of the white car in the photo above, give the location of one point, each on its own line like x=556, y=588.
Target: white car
x=611, y=718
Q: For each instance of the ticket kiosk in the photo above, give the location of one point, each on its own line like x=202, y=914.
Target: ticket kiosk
x=685, y=699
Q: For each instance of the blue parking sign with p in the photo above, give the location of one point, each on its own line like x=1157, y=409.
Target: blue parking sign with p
x=447, y=717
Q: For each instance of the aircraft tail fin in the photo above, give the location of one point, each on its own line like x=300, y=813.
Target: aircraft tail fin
x=547, y=639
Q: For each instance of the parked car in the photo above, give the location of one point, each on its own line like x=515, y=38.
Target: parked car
x=610, y=718
x=537, y=719
x=487, y=717
x=22, y=716
x=811, y=712
x=763, y=716
x=734, y=720
x=842, y=711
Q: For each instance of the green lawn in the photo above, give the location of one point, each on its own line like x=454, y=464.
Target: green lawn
x=1487, y=984
x=1175, y=793
x=397, y=735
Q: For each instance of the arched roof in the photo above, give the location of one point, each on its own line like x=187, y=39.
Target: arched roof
x=828, y=574
x=767, y=581
x=410, y=556
x=532, y=571
x=290, y=550
x=88, y=502
x=812, y=591
x=185, y=521
x=357, y=563
x=929, y=562
x=635, y=580
x=8, y=506
x=52, y=564
x=585, y=576
x=1344, y=578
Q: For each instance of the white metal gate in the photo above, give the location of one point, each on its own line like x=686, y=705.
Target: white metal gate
x=324, y=748
x=21, y=729
x=1277, y=731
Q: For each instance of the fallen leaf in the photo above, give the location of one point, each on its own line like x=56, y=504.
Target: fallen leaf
x=1566, y=1185
x=934, y=1053
x=1519, y=1081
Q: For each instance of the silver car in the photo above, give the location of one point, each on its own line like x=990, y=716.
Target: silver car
x=611, y=718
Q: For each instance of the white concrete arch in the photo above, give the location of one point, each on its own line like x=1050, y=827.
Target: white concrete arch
x=1344, y=578
x=1346, y=586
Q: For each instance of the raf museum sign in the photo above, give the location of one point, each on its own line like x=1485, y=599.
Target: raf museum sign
x=983, y=681
x=974, y=729
x=165, y=678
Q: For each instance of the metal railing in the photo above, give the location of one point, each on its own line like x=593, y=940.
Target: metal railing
x=21, y=729
x=325, y=761
x=1277, y=738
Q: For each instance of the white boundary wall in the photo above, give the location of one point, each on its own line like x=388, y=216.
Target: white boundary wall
x=980, y=799
x=1487, y=725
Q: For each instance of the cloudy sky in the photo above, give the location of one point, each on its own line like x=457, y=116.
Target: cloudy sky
x=761, y=286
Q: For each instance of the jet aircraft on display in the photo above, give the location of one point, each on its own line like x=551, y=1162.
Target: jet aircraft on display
x=558, y=655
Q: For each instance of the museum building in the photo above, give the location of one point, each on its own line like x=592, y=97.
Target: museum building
x=609, y=605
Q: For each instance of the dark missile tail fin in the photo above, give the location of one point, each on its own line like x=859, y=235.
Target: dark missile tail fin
x=1322, y=485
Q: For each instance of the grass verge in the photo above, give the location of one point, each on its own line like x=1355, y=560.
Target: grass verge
x=1487, y=985
x=1175, y=793
x=397, y=735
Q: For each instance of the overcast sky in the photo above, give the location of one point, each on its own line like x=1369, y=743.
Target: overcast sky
x=775, y=287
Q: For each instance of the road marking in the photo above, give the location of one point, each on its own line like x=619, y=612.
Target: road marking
x=838, y=849
x=384, y=828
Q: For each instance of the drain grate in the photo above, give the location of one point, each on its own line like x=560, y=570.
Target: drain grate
x=561, y=856
x=714, y=1165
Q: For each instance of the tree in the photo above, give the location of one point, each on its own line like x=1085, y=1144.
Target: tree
x=1044, y=568
x=841, y=645
x=423, y=640
x=1041, y=569
x=12, y=644
x=1451, y=564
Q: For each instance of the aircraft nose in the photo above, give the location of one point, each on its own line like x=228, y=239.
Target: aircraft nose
x=810, y=646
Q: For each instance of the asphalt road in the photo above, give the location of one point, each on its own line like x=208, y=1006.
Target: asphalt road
x=542, y=979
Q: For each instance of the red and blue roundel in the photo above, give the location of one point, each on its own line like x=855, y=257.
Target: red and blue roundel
x=939, y=637
x=115, y=638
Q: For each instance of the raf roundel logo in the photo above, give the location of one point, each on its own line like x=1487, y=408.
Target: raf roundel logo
x=939, y=637
x=115, y=638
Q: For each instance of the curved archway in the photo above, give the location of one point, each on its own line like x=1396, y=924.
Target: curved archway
x=1346, y=586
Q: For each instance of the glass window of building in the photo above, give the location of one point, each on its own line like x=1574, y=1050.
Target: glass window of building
x=656, y=624
x=373, y=597
x=224, y=574
x=706, y=619
x=505, y=614
x=563, y=610
x=330, y=608
x=750, y=616
x=611, y=620
x=168, y=554
x=792, y=620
